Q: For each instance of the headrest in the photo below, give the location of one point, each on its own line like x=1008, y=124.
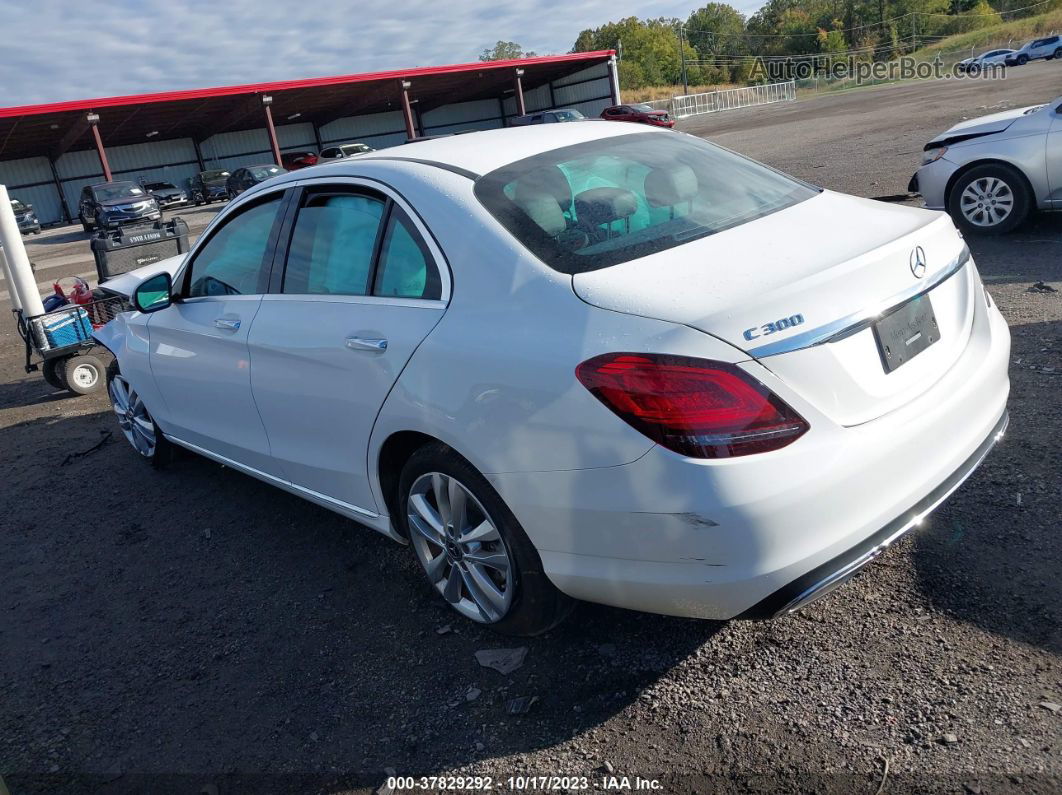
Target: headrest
x=549, y=180
x=605, y=205
x=670, y=185
x=543, y=209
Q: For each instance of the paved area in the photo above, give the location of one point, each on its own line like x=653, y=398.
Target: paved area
x=170, y=631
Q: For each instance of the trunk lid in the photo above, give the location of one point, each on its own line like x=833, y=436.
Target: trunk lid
x=778, y=287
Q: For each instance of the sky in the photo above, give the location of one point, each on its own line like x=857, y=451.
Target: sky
x=54, y=50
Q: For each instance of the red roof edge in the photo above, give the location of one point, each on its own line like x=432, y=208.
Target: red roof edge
x=284, y=85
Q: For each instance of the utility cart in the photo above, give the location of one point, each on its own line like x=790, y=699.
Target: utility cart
x=62, y=340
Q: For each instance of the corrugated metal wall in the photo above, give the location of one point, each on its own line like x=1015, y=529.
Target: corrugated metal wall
x=30, y=179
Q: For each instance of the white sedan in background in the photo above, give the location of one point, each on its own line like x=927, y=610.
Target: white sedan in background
x=593, y=361
x=985, y=59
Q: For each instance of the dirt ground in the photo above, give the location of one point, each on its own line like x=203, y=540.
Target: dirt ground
x=194, y=628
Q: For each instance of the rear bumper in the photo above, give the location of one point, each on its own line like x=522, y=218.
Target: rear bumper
x=820, y=581
x=753, y=536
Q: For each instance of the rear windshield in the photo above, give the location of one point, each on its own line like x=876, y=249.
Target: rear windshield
x=608, y=201
x=209, y=175
x=159, y=186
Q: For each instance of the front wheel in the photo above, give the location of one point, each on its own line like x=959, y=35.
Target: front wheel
x=1058, y=53
x=471, y=547
x=990, y=200
x=135, y=421
x=1022, y=60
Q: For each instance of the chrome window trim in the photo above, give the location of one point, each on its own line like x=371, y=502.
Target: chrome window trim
x=857, y=321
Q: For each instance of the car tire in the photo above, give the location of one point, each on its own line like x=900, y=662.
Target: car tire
x=508, y=592
x=1022, y=60
x=992, y=182
x=84, y=375
x=155, y=448
x=52, y=370
x=1058, y=53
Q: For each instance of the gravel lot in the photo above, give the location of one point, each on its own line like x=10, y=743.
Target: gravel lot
x=194, y=628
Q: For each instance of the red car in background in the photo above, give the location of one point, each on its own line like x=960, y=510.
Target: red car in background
x=294, y=160
x=642, y=113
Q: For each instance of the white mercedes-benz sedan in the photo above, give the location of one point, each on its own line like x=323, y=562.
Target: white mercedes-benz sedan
x=590, y=361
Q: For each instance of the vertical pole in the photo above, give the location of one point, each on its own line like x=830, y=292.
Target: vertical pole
x=266, y=102
x=682, y=57
x=518, y=86
x=93, y=121
x=12, y=293
x=199, y=155
x=59, y=189
x=317, y=137
x=407, y=111
x=613, y=80
x=22, y=282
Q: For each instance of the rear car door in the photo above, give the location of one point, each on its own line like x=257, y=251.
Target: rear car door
x=363, y=283
x=198, y=346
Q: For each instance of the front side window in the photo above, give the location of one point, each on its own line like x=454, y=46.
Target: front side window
x=405, y=269
x=333, y=244
x=233, y=260
x=603, y=202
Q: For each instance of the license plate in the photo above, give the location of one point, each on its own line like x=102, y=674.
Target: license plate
x=906, y=332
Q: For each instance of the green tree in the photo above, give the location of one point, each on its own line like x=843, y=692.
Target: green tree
x=505, y=51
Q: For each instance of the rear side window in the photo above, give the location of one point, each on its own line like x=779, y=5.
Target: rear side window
x=406, y=269
x=232, y=261
x=333, y=245
x=603, y=202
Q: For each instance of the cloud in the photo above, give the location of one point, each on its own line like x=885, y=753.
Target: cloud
x=54, y=50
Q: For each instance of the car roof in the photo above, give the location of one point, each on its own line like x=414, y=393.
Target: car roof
x=486, y=150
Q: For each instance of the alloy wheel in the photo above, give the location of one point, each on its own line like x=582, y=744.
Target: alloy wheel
x=460, y=548
x=133, y=417
x=986, y=201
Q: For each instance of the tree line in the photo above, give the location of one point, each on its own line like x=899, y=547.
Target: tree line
x=720, y=44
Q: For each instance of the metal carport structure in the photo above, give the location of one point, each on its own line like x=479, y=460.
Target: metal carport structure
x=49, y=152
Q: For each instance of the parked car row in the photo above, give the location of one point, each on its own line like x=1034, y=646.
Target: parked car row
x=640, y=113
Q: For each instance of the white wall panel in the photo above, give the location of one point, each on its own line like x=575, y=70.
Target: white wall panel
x=358, y=128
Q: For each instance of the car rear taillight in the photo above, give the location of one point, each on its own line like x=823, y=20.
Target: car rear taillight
x=698, y=408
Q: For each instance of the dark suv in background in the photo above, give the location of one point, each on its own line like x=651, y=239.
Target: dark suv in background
x=108, y=205
x=26, y=217
x=167, y=194
x=206, y=186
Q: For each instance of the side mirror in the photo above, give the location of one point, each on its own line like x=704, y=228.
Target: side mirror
x=154, y=293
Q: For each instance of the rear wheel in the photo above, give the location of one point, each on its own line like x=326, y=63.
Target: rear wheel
x=992, y=199
x=83, y=375
x=472, y=549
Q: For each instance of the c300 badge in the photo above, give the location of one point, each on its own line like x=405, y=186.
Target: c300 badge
x=773, y=327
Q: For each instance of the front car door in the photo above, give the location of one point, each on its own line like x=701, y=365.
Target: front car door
x=198, y=345
x=361, y=288
x=1054, y=158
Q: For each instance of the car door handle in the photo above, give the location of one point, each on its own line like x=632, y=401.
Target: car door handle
x=227, y=323
x=363, y=344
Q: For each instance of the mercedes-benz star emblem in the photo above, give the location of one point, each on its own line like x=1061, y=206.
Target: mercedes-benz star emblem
x=918, y=262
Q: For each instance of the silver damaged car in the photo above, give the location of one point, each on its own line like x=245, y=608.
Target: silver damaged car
x=991, y=172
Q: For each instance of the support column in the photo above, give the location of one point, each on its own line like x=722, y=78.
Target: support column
x=93, y=120
x=613, y=79
x=407, y=111
x=199, y=155
x=518, y=87
x=317, y=137
x=67, y=216
x=266, y=102
x=21, y=281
